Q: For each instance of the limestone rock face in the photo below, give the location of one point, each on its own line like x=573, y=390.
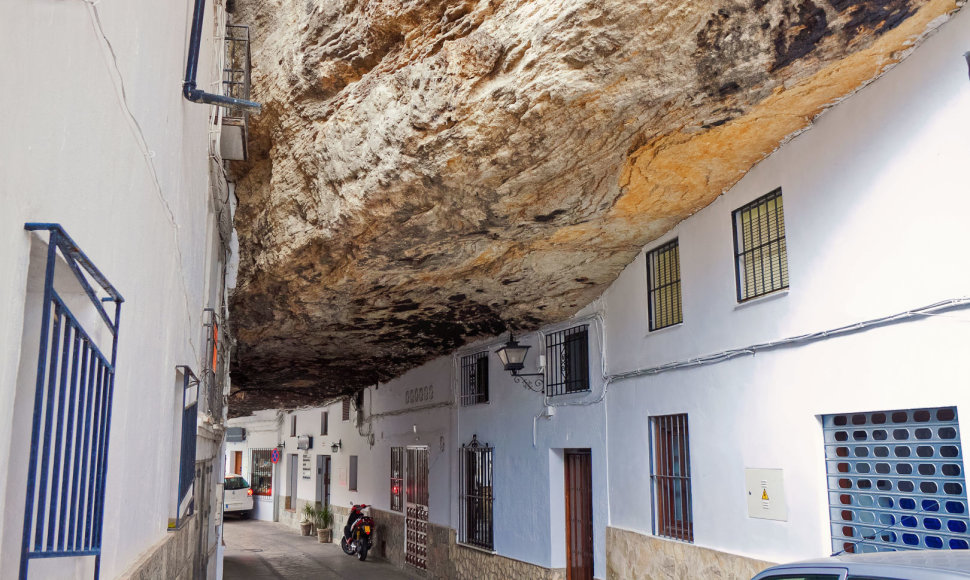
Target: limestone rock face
x=428, y=171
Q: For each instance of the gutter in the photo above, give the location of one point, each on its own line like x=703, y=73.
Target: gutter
x=189, y=89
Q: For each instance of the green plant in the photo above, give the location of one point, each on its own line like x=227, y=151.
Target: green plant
x=309, y=513
x=323, y=517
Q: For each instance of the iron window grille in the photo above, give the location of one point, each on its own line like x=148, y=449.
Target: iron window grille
x=213, y=367
x=68, y=463
x=474, y=379
x=324, y=419
x=190, y=414
x=475, y=524
x=346, y=410
x=261, y=472
x=670, y=477
x=663, y=277
x=567, y=361
x=761, y=254
x=895, y=480
x=397, y=479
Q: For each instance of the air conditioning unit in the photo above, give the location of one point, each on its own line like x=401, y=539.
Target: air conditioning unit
x=304, y=442
x=235, y=434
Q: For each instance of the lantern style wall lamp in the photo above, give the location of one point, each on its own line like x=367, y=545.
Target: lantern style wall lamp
x=512, y=356
x=337, y=446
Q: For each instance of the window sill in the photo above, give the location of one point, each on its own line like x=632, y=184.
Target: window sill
x=665, y=329
x=766, y=298
x=476, y=548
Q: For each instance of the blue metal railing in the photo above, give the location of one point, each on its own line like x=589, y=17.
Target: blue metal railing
x=190, y=414
x=64, y=507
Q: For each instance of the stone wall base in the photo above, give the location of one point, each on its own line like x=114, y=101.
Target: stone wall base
x=471, y=563
x=634, y=555
x=176, y=557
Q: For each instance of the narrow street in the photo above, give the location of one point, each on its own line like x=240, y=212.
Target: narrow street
x=257, y=550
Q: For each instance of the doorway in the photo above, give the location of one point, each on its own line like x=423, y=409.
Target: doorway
x=237, y=462
x=579, y=514
x=416, y=520
x=291, y=483
x=323, y=480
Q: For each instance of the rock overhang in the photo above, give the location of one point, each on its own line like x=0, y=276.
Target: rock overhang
x=426, y=173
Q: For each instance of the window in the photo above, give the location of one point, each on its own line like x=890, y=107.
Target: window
x=475, y=495
x=670, y=475
x=397, y=479
x=346, y=410
x=236, y=482
x=292, y=425
x=895, y=480
x=567, y=361
x=474, y=378
x=324, y=417
x=761, y=256
x=189, y=395
x=663, y=278
x=261, y=472
x=353, y=473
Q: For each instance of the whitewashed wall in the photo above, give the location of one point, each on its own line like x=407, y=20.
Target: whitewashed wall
x=70, y=153
x=876, y=208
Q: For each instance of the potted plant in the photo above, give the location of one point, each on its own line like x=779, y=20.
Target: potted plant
x=309, y=515
x=324, y=521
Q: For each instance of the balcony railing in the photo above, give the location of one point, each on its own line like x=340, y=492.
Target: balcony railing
x=236, y=83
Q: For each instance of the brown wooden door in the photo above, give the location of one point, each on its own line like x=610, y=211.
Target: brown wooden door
x=579, y=515
x=237, y=462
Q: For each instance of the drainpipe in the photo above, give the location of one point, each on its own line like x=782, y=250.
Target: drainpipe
x=189, y=90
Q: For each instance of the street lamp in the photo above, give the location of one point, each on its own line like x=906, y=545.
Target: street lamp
x=512, y=355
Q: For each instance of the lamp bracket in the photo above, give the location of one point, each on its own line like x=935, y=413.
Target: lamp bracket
x=537, y=385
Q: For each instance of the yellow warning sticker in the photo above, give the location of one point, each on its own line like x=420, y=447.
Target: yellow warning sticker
x=764, y=495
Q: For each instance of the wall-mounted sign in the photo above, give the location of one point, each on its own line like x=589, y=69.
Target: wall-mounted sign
x=419, y=395
x=306, y=470
x=274, y=455
x=765, y=491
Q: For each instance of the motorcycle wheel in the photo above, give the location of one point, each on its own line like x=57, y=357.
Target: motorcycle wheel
x=348, y=548
x=362, y=550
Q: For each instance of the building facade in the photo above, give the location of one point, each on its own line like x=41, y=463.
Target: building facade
x=116, y=227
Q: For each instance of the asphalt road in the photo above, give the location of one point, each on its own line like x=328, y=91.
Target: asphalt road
x=257, y=550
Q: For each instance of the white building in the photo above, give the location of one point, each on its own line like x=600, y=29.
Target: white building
x=119, y=459
x=780, y=376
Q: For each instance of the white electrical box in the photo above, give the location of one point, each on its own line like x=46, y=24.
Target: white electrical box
x=765, y=489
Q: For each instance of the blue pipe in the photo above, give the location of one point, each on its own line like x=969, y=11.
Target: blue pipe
x=189, y=89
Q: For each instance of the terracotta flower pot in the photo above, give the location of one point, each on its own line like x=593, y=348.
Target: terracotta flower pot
x=305, y=528
x=325, y=536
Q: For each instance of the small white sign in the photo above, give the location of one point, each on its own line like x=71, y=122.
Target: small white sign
x=306, y=469
x=765, y=489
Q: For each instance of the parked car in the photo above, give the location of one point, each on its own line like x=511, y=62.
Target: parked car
x=238, y=496
x=902, y=565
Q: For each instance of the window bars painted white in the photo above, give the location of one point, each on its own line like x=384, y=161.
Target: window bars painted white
x=663, y=279
x=474, y=378
x=475, y=499
x=895, y=480
x=567, y=361
x=670, y=477
x=761, y=254
x=67, y=468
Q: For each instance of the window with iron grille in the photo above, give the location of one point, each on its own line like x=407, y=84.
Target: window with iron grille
x=261, y=472
x=761, y=256
x=352, y=486
x=397, y=479
x=475, y=495
x=895, y=480
x=474, y=378
x=567, y=361
x=346, y=410
x=670, y=476
x=324, y=419
x=663, y=277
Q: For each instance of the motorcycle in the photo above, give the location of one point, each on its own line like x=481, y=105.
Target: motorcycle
x=358, y=532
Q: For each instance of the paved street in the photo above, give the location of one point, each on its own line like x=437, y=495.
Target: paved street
x=257, y=550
